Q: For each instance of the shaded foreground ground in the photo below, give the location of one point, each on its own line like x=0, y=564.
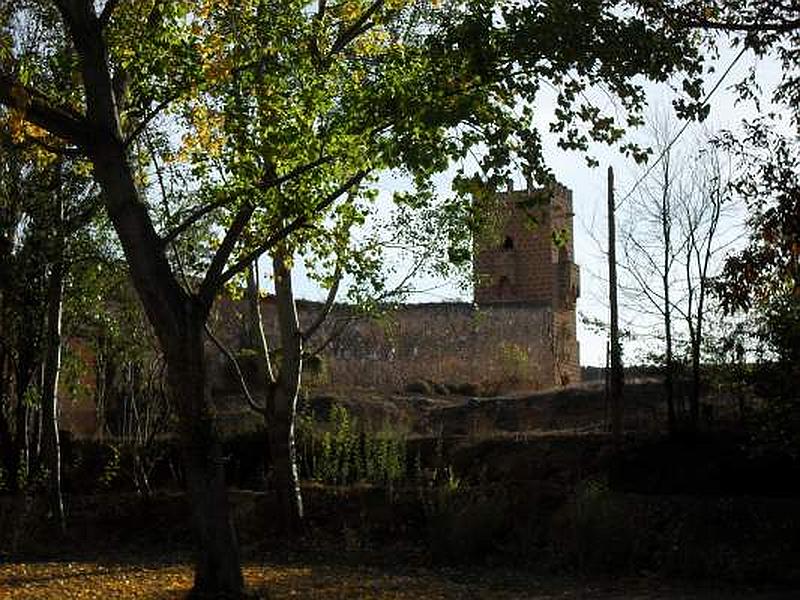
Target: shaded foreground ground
x=530, y=484
x=40, y=580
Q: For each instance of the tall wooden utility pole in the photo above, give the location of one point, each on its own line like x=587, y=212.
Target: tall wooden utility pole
x=615, y=383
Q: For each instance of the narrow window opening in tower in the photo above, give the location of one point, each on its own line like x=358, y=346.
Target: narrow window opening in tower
x=508, y=244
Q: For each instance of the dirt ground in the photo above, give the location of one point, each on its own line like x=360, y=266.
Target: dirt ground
x=531, y=442
x=303, y=579
x=578, y=408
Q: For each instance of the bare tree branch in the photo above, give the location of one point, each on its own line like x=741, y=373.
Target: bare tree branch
x=271, y=180
x=327, y=307
x=680, y=18
x=140, y=127
x=243, y=384
x=253, y=299
x=266, y=183
x=37, y=108
x=193, y=217
x=779, y=27
x=644, y=252
x=338, y=329
x=294, y=225
x=212, y=280
x=165, y=203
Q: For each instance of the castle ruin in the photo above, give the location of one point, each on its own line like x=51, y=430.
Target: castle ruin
x=518, y=333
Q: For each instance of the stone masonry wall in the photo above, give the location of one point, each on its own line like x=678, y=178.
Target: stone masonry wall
x=446, y=343
x=520, y=334
x=505, y=346
x=523, y=264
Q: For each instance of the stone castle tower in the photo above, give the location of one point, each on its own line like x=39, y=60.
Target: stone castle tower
x=519, y=333
x=524, y=266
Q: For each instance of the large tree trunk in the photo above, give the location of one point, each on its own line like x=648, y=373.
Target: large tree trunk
x=6, y=442
x=177, y=318
x=281, y=389
x=283, y=453
x=217, y=567
x=282, y=412
x=20, y=466
x=51, y=449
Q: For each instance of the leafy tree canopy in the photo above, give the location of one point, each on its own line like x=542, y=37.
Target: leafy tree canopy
x=283, y=107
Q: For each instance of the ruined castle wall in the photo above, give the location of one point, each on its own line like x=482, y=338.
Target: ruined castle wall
x=567, y=352
x=452, y=343
x=521, y=333
x=500, y=346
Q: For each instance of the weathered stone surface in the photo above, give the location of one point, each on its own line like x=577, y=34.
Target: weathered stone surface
x=520, y=333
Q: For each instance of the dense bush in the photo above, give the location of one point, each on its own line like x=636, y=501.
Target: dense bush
x=344, y=452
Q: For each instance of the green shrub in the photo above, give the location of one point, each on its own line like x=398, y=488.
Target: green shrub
x=345, y=452
x=605, y=539
x=603, y=531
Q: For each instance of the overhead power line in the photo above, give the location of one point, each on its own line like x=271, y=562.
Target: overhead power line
x=682, y=129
